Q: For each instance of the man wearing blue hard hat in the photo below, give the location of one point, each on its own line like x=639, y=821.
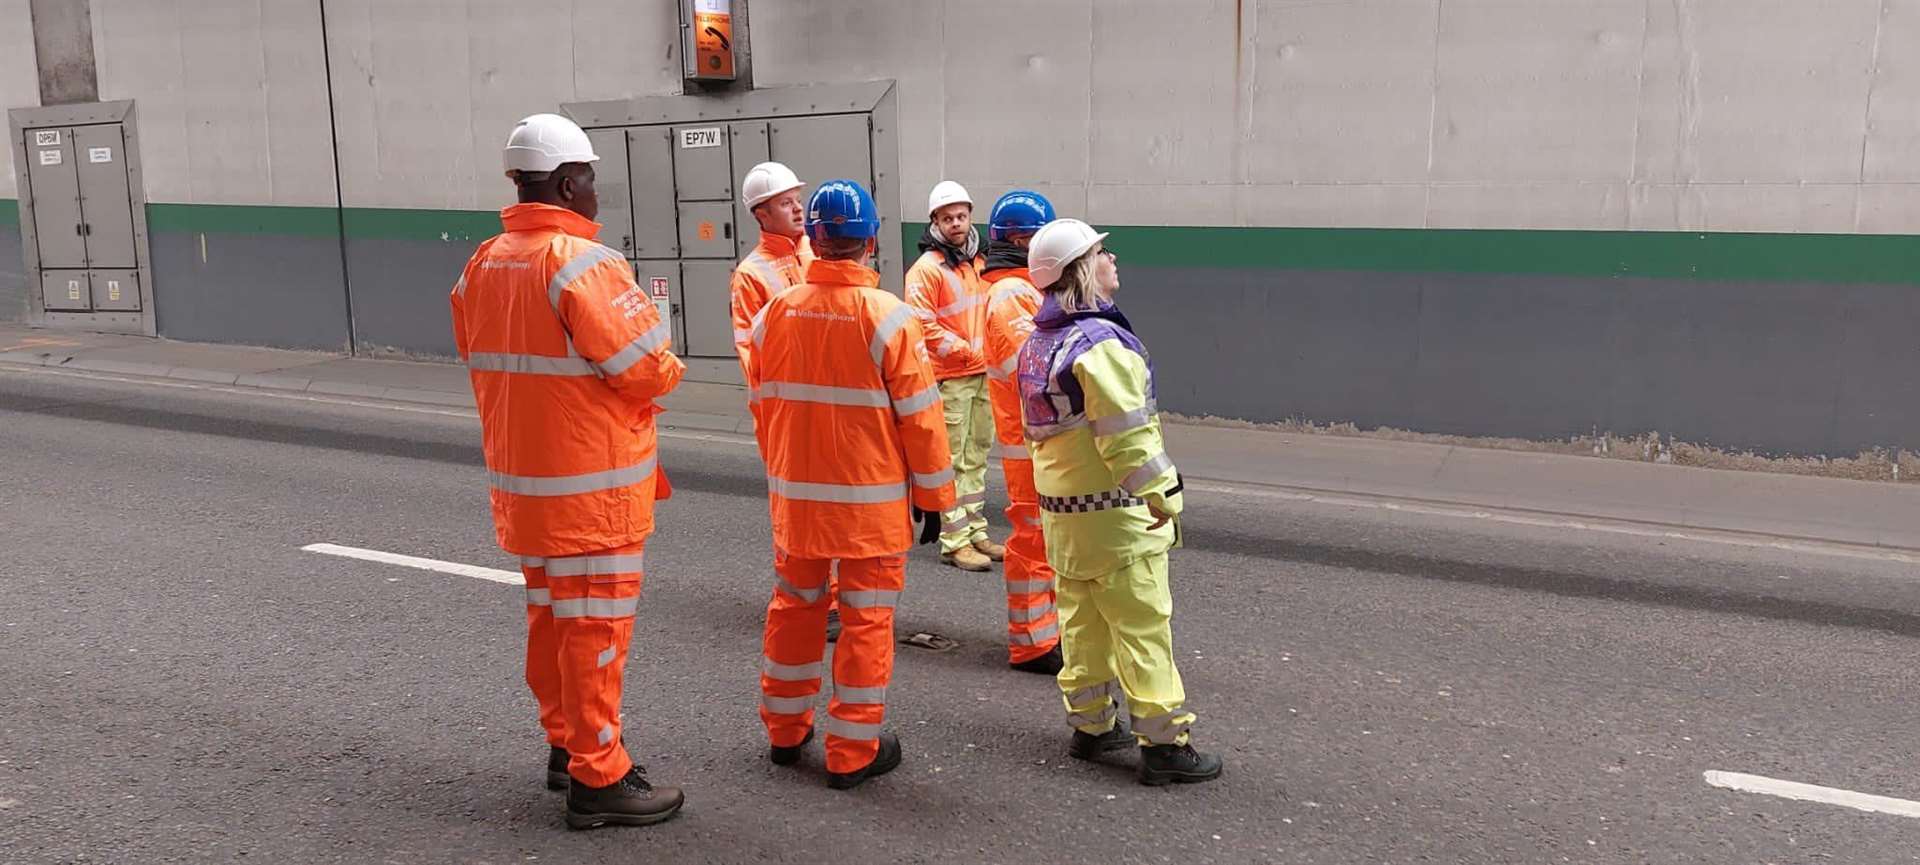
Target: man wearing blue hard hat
x=856, y=449
x=1033, y=627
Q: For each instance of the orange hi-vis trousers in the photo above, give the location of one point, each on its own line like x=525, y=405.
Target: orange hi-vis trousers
x=1033, y=625
x=796, y=642
x=579, y=623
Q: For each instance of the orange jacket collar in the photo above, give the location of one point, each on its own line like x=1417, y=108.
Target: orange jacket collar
x=777, y=246
x=997, y=274
x=535, y=216
x=841, y=272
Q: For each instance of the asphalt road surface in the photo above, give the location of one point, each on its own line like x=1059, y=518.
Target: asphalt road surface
x=183, y=683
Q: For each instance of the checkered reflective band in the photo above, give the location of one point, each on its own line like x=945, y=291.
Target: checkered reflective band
x=1090, y=502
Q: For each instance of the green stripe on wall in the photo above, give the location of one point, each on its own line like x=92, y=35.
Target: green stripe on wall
x=1819, y=258
x=9, y=213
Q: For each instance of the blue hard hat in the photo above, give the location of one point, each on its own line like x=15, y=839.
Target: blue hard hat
x=842, y=208
x=1021, y=211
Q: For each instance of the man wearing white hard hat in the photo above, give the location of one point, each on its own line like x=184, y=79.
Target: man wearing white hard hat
x=567, y=355
x=1110, y=503
x=773, y=193
x=950, y=299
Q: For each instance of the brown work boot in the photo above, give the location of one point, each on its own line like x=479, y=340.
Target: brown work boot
x=630, y=801
x=967, y=559
x=986, y=546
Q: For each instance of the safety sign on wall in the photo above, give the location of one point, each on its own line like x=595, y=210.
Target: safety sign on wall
x=658, y=286
x=98, y=155
x=49, y=157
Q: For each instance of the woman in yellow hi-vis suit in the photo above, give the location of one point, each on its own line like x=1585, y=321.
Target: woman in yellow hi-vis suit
x=1110, y=507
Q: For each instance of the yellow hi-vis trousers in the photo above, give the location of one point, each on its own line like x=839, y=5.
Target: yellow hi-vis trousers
x=1117, y=639
x=969, y=417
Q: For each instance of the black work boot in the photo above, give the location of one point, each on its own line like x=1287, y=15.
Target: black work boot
x=1086, y=746
x=833, y=625
x=1049, y=663
x=886, y=761
x=557, y=777
x=787, y=756
x=630, y=801
x=1176, y=764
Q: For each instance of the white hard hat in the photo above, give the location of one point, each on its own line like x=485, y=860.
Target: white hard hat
x=1055, y=246
x=765, y=181
x=544, y=142
x=947, y=192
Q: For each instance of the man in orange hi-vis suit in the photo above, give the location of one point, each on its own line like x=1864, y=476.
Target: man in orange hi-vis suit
x=567, y=355
x=856, y=450
x=1033, y=626
x=778, y=262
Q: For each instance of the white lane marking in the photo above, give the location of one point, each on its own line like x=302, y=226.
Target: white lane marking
x=1352, y=500
x=1725, y=537
x=1813, y=793
x=511, y=578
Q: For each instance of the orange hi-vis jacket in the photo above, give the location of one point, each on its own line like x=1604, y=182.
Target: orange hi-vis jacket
x=854, y=429
x=952, y=307
x=775, y=265
x=566, y=353
x=1012, y=301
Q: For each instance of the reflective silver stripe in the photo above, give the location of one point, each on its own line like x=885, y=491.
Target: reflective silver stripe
x=811, y=596
x=850, y=729
x=460, y=288
x=1163, y=729
x=539, y=597
x=966, y=302
x=1042, y=433
x=569, y=485
x=1015, y=289
x=1005, y=370
x=822, y=393
x=1106, y=426
x=1013, y=452
x=884, y=331
x=742, y=335
x=979, y=498
x=947, y=525
x=786, y=705
x=869, y=598
x=1031, y=613
x=1047, y=634
x=1138, y=479
x=764, y=269
x=789, y=672
x=874, y=696
x=1102, y=718
x=907, y=406
x=1084, y=696
x=595, y=608
x=606, y=734
x=645, y=344
x=1028, y=587
x=605, y=658
x=597, y=566
x=576, y=266
x=759, y=326
x=853, y=494
x=530, y=364
x=935, y=480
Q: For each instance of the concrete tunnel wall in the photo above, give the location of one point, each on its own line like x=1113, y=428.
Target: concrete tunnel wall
x=1208, y=130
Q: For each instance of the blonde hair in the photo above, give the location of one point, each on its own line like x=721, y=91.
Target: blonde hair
x=1076, y=290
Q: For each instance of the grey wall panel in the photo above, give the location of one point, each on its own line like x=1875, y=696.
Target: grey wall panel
x=400, y=294
x=1778, y=368
x=258, y=289
x=13, y=277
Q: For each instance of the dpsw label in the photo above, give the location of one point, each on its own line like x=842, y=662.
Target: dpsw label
x=705, y=136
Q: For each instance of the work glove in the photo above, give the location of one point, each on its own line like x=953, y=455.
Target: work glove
x=929, y=525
